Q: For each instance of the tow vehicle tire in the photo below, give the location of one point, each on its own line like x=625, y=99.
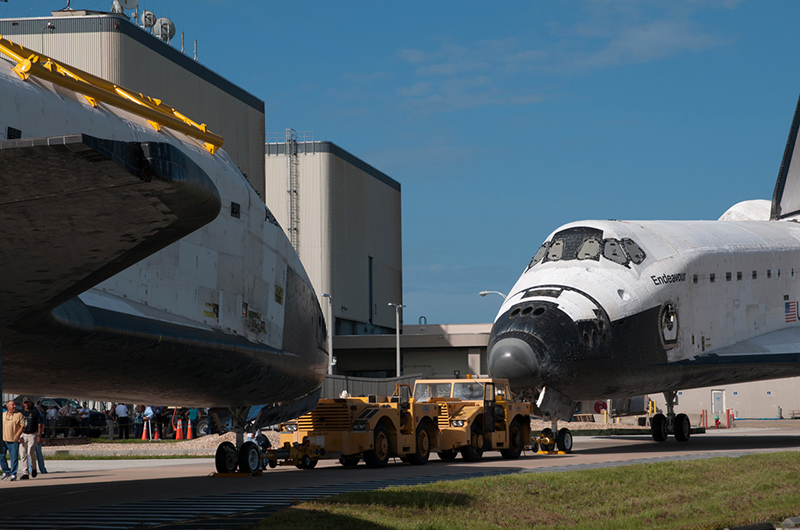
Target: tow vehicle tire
x=514, y=441
x=306, y=463
x=564, y=440
x=379, y=456
x=683, y=428
x=423, y=447
x=447, y=456
x=349, y=461
x=226, y=459
x=548, y=447
x=658, y=427
x=474, y=450
x=249, y=458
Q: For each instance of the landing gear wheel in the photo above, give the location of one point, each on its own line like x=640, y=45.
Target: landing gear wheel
x=249, y=459
x=447, y=456
x=514, y=442
x=564, y=440
x=349, y=461
x=423, y=447
x=658, y=427
x=474, y=451
x=682, y=428
x=379, y=456
x=226, y=459
x=548, y=447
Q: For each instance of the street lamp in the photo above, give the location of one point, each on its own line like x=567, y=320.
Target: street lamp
x=397, y=331
x=330, y=331
x=484, y=293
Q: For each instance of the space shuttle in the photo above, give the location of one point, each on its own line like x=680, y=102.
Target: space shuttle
x=610, y=309
x=137, y=263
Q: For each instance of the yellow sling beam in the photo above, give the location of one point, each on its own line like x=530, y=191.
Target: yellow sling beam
x=97, y=90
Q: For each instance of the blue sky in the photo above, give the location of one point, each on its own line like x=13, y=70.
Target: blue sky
x=503, y=121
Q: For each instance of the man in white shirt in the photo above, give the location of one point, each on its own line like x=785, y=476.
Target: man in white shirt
x=52, y=418
x=83, y=418
x=122, y=418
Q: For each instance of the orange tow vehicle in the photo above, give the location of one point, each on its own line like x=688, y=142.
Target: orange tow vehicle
x=476, y=415
x=374, y=428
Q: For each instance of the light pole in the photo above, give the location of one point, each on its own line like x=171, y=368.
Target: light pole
x=330, y=331
x=484, y=293
x=397, y=331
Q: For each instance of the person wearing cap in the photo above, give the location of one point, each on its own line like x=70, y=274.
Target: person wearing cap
x=32, y=427
x=12, y=430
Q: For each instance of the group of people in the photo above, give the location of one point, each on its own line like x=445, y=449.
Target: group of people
x=125, y=422
x=22, y=433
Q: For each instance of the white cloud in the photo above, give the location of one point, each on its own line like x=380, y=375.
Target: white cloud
x=648, y=42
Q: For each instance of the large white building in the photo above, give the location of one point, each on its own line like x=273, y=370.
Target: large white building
x=344, y=218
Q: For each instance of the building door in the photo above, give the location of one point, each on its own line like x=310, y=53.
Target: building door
x=718, y=402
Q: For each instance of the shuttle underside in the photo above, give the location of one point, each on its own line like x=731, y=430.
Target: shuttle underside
x=137, y=264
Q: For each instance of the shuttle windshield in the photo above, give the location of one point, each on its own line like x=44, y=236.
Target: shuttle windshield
x=586, y=243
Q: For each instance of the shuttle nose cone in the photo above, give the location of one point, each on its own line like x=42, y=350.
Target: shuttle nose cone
x=513, y=359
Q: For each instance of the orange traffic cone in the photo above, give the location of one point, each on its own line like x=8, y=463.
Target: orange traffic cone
x=189, y=431
x=144, y=431
x=156, y=437
x=179, y=431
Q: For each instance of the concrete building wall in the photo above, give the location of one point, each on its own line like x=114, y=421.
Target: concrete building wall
x=349, y=231
x=756, y=400
x=111, y=47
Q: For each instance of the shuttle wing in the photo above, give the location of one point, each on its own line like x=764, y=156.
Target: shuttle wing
x=776, y=347
x=76, y=210
x=786, y=198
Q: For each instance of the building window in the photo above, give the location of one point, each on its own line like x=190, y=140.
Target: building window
x=755, y=275
x=727, y=276
x=739, y=276
x=711, y=277
x=694, y=278
x=769, y=273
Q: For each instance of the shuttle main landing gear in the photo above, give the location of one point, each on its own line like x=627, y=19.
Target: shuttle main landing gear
x=662, y=426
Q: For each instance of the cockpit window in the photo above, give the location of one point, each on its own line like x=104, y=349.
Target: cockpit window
x=540, y=254
x=556, y=250
x=634, y=251
x=613, y=250
x=590, y=249
x=584, y=242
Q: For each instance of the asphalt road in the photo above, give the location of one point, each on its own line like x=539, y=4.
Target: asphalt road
x=73, y=490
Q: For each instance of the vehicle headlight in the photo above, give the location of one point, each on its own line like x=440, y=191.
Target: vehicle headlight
x=360, y=426
x=291, y=427
x=458, y=423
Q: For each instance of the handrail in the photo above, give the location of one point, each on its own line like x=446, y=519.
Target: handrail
x=96, y=90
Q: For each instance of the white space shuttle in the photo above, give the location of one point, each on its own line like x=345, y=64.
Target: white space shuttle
x=624, y=308
x=137, y=264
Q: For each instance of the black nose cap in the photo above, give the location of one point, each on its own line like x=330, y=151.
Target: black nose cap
x=513, y=359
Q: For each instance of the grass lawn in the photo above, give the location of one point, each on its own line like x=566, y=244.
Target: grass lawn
x=698, y=494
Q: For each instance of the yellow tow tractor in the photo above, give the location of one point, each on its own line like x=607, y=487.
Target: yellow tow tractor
x=374, y=428
x=476, y=415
